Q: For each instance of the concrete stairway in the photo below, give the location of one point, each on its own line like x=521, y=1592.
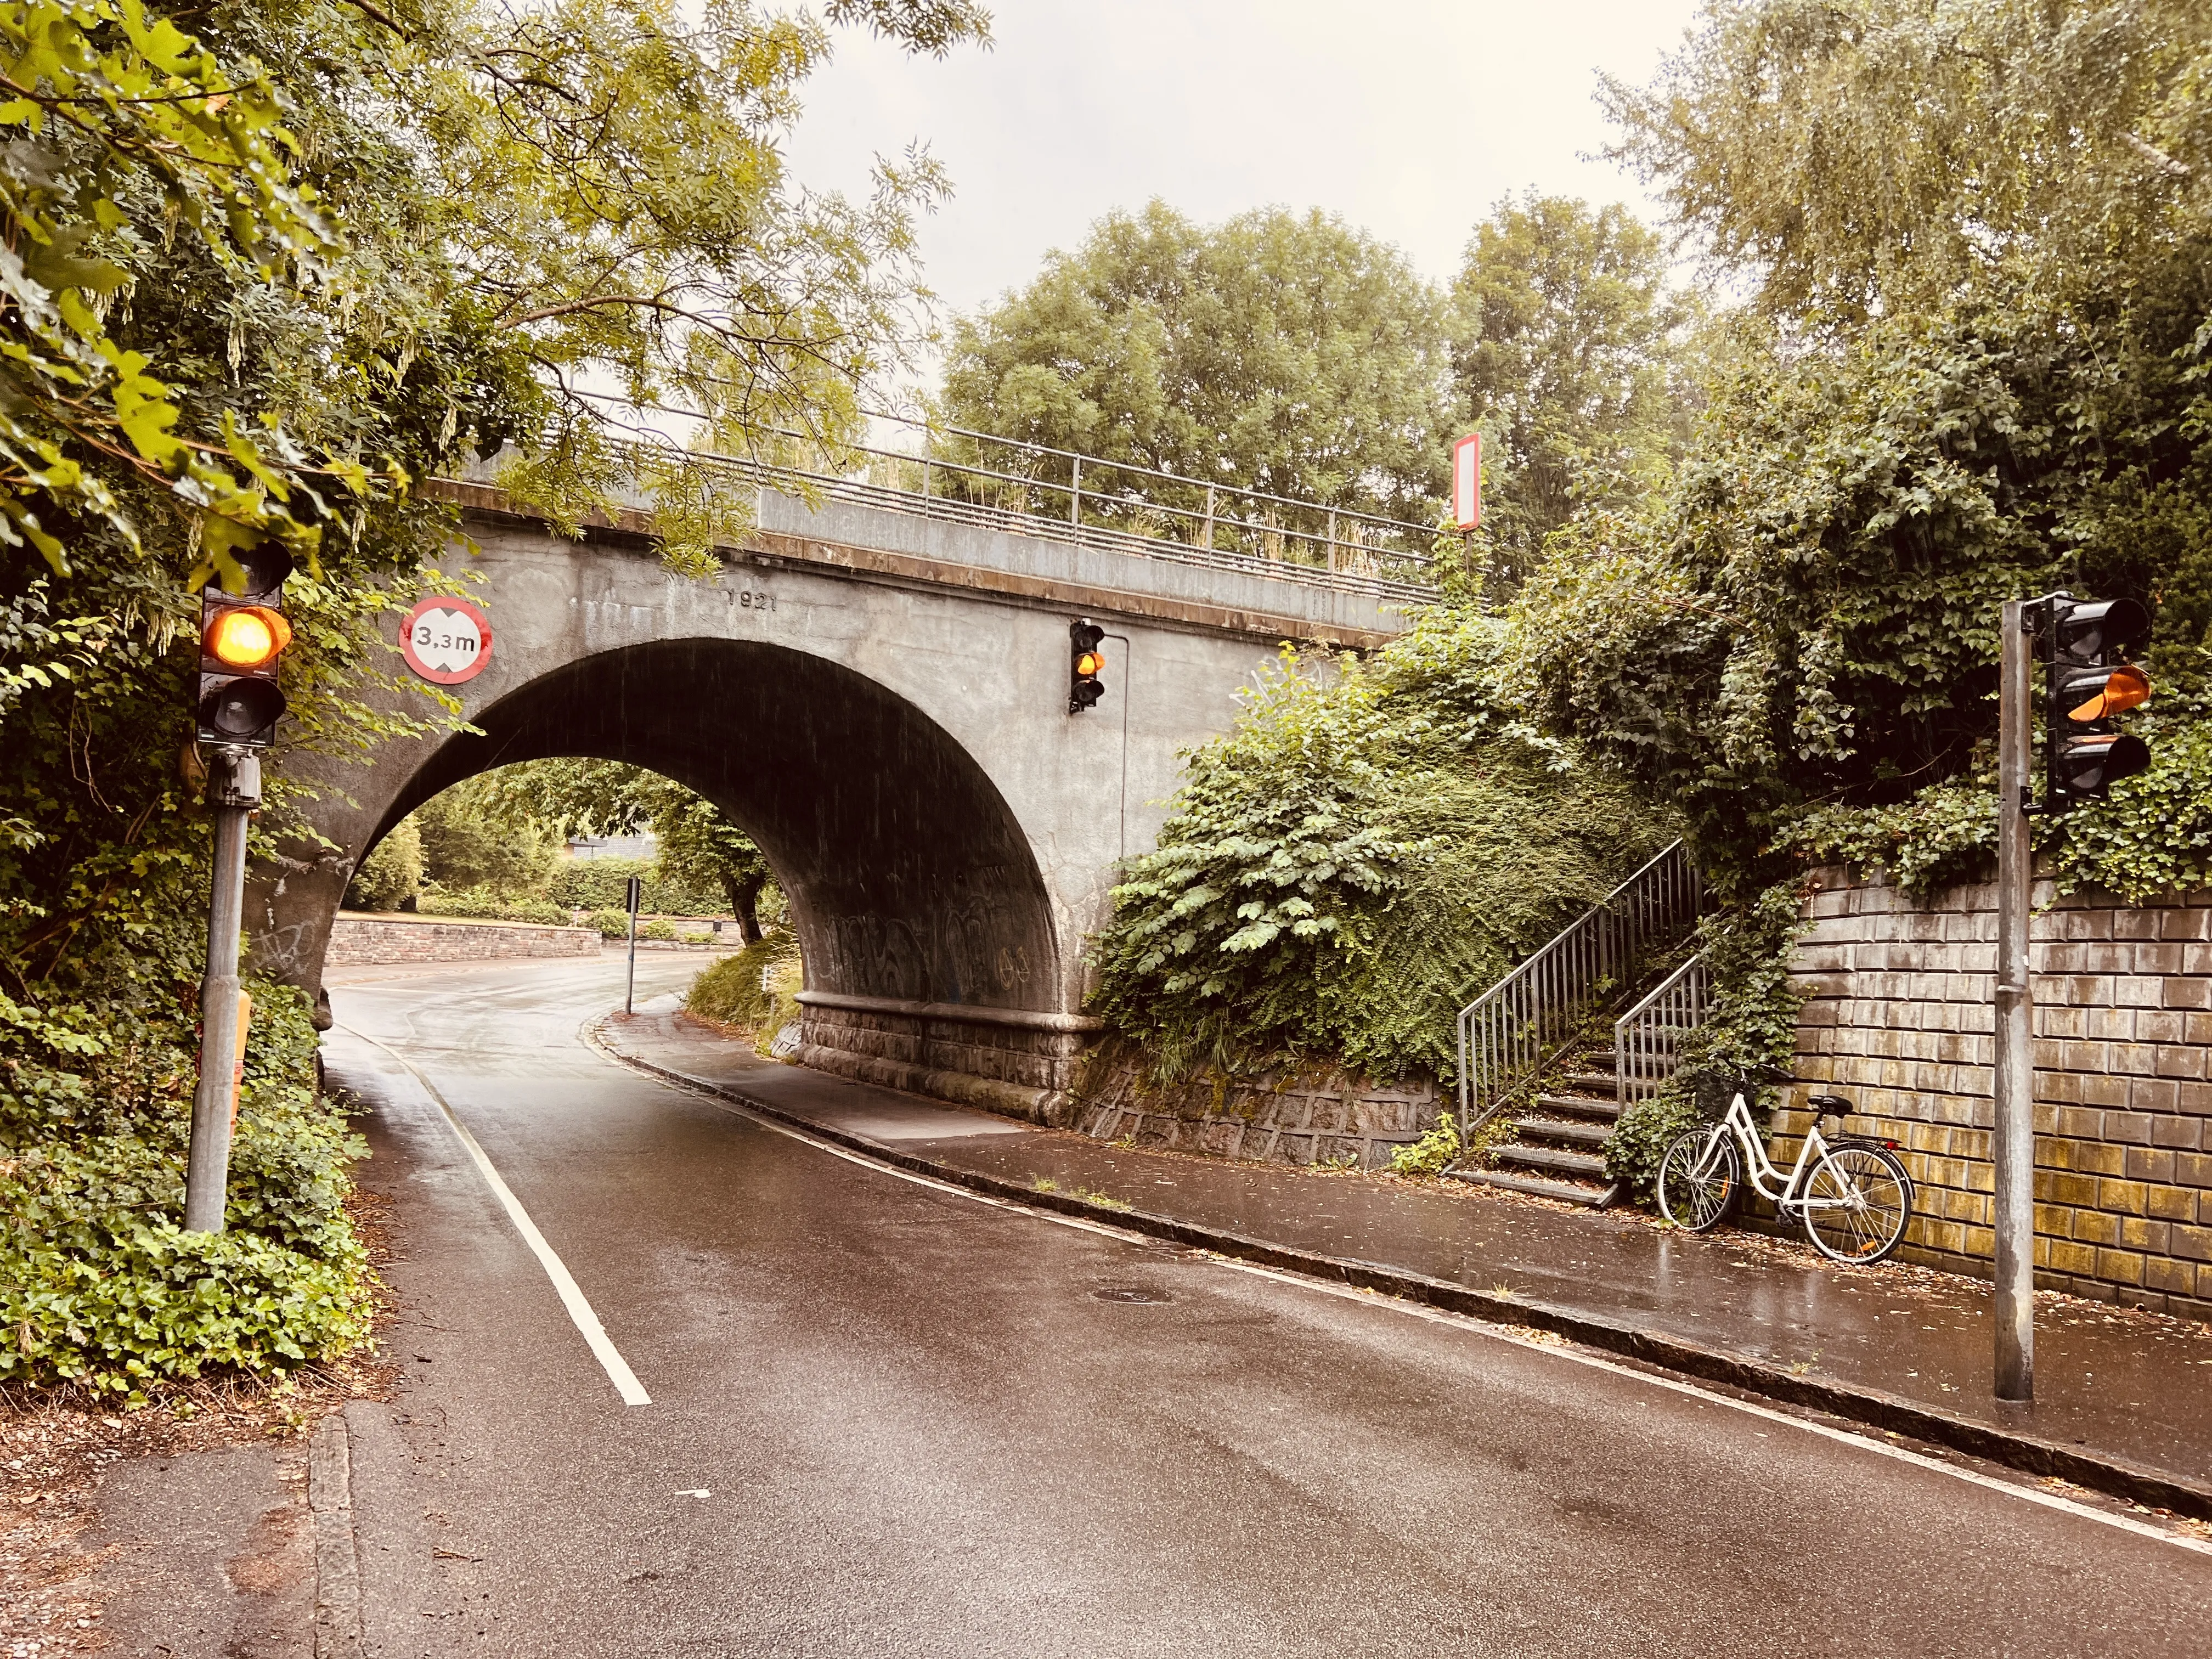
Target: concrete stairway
x=1559, y=1146
x=1558, y=1149
x=1521, y=1041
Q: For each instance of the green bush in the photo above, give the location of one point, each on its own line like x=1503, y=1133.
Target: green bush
x=660, y=929
x=391, y=872
x=1753, y=1023
x=603, y=885
x=611, y=924
x=1429, y=1154
x=490, y=907
x=98, y=1284
x=756, y=990
x=1369, y=846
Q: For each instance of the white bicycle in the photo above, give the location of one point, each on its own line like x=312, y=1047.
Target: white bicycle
x=1852, y=1193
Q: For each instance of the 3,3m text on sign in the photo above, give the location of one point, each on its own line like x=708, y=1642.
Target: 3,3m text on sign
x=447, y=641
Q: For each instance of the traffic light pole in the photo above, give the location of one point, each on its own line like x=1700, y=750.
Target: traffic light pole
x=233, y=791
x=2013, y=1145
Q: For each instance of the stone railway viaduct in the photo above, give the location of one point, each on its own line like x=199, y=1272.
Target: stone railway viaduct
x=879, y=697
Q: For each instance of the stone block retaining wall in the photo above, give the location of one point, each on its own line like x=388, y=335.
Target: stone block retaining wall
x=357, y=939
x=1005, y=1061
x=1312, y=1116
x=1900, y=1014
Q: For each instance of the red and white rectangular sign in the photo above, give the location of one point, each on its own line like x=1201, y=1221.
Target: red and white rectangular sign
x=1467, y=482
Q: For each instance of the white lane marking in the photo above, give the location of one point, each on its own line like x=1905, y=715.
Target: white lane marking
x=1460, y=1322
x=579, y=1310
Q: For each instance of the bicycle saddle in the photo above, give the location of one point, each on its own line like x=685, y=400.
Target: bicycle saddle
x=1825, y=1104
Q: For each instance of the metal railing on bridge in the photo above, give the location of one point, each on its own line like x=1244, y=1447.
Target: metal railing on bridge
x=1508, y=1033
x=1095, y=503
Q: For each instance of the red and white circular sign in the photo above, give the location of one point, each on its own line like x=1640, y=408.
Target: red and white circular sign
x=447, y=641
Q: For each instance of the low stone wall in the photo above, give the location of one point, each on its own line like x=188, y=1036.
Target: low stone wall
x=364, y=940
x=1039, y=1067
x=1899, y=1012
x=1308, y=1116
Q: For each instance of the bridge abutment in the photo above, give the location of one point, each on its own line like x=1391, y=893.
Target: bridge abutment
x=1006, y=1060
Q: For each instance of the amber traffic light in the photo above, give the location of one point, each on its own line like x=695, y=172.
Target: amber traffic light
x=1085, y=688
x=246, y=636
x=2091, y=681
x=243, y=634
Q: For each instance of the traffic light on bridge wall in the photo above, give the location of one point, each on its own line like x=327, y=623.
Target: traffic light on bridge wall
x=235, y=699
x=1086, y=661
x=2087, y=645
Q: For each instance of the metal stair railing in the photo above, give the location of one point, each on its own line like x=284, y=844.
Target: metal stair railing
x=1645, y=1038
x=1506, y=1034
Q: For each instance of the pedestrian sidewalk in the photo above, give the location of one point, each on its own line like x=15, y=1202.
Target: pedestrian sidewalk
x=2123, y=1398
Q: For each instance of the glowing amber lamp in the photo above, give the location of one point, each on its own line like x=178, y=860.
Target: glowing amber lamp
x=1089, y=663
x=247, y=637
x=2128, y=687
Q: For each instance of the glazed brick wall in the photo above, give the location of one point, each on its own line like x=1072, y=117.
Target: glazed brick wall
x=1899, y=1013
x=366, y=940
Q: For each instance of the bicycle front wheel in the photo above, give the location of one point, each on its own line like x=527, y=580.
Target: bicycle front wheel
x=1858, y=1202
x=1698, y=1179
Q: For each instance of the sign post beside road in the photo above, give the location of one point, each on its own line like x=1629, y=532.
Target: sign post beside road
x=636, y=896
x=2012, y=1142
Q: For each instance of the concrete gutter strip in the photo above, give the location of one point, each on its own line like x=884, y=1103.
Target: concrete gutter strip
x=2154, y=1488
x=338, y=1562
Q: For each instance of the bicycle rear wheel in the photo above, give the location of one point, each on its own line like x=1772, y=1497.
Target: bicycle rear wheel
x=1696, y=1191
x=1858, y=1202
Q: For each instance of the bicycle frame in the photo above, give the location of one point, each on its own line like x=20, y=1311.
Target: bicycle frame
x=1762, y=1171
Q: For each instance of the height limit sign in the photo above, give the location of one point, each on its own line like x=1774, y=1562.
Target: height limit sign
x=447, y=641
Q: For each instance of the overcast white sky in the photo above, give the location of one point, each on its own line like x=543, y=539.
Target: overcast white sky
x=1408, y=116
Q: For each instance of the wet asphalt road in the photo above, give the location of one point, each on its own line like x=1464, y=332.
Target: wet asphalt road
x=925, y=1425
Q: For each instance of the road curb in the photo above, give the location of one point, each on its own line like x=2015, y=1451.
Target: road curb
x=2118, y=1478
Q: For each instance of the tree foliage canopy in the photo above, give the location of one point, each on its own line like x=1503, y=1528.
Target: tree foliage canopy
x=1977, y=370
x=1564, y=339
x=1283, y=352
x=699, y=847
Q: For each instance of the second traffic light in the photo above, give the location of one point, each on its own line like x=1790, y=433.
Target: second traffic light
x=235, y=698
x=1085, y=664
x=2086, y=647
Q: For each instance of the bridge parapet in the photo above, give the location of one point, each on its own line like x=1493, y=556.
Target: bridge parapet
x=906, y=537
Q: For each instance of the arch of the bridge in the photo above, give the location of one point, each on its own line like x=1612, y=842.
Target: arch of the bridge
x=908, y=874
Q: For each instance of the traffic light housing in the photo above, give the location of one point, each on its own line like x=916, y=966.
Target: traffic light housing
x=1085, y=663
x=2087, y=645
x=235, y=700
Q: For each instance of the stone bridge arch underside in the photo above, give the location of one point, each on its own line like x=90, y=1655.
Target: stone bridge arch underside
x=881, y=703
x=924, y=921
x=908, y=877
